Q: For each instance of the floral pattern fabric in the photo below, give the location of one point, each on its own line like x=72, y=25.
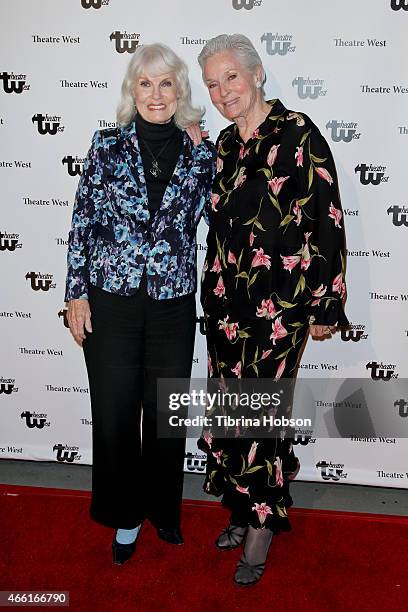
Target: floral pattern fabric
x=275, y=264
x=112, y=238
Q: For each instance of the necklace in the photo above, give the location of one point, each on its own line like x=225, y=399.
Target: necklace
x=155, y=170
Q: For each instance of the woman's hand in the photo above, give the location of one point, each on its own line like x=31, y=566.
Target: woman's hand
x=79, y=319
x=195, y=133
x=321, y=332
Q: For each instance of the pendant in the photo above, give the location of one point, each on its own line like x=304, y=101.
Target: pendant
x=155, y=170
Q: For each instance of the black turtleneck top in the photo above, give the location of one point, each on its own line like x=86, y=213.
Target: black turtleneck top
x=156, y=135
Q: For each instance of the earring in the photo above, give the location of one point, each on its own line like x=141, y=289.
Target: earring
x=258, y=84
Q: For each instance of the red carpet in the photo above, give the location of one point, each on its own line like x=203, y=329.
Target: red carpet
x=331, y=561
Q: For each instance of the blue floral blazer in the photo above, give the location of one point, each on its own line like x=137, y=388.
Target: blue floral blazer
x=112, y=238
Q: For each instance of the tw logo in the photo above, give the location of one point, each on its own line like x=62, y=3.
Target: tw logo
x=96, y=4
x=340, y=131
x=246, y=4
x=378, y=373
x=73, y=164
x=396, y=5
x=399, y=217
x=373, y=175
x=63, y=313
x=63, y=454
x=40, y=282
x=402, y=407
x=352, y=334
x=275, y=46
x=32, y=421
x=9, y=242
x=309, y=88
x=193, y=463
x=330, y=472
x=7, y=388
x=201, y=323
x=125, y=43
x=45, y=126
x=301, y=439
x=13, y=84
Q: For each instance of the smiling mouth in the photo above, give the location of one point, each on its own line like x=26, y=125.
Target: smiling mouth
x=156, y=107
x=230, y=103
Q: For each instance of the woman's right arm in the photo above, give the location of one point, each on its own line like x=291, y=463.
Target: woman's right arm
x=208, y=199
x=89, y=198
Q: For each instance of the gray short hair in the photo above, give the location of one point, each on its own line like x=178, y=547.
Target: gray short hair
x=157, y=59
x=238, y=43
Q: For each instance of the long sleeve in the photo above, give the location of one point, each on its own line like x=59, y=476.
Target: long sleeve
x=323, y=256
x=89, y=199
x=208, y=170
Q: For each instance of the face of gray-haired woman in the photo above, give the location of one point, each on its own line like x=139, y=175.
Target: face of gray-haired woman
x=231, y=86
x=156, y=96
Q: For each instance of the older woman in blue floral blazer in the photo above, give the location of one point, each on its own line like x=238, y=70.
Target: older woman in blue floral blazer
x=131, y=290
x=114, y=237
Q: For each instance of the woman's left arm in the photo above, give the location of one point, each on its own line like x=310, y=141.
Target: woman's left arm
x=323, y=257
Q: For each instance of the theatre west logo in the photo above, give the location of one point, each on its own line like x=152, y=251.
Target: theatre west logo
x=371, y=175
x=96, y=4
x=331, y=471
x=201, y=325
x=7, y=386
x=343, y=130
x=278, y=44
x=194, y=462
x=102, y=123
x=40, y=282
x=14, y=83
x=74, y=165
x=379, y=371
x=245, y=4
x=402, y=405
x=48, y=124
x=190, y=40
x=66, y=453
x=399, y=215
x=125, y=42
x=63, y=314
x=354, y=334
x=9, y=242
x=35, y=419
x=303, y=438
x=396, y=5
x=309, y=88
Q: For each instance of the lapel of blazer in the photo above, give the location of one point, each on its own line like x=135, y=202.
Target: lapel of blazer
x=181, y=171
x=133, y=165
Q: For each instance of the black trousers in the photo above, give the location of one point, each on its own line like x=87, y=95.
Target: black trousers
x=135, y=340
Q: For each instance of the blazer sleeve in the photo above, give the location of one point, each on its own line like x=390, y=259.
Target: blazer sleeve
x=88, y=203
x=208, y=175
x=323, y=256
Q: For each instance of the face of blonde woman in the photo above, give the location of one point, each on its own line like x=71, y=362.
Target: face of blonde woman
x=156, y=96
x=232, y=88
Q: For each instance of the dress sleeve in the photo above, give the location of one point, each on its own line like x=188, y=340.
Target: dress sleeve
x=89, y=199
x=323, y=256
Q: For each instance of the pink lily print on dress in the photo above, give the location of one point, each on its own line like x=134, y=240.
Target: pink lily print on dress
x=262, y=510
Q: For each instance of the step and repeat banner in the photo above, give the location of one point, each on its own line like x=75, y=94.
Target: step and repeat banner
x=61, y=68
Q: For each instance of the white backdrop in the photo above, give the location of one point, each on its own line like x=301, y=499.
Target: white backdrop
x=62, y=64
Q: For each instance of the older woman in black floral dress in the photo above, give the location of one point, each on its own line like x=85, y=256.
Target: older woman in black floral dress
x=274, y=273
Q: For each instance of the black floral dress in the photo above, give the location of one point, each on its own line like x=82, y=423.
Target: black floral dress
x=275, y=263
